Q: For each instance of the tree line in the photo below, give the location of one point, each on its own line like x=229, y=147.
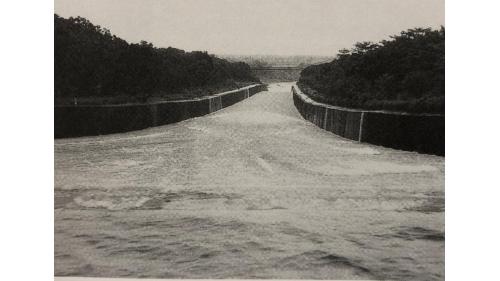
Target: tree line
x=91, y=62
x=405, y=73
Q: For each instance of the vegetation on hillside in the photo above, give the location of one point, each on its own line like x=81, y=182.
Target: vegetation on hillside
x=406, y=73
x=91, y=62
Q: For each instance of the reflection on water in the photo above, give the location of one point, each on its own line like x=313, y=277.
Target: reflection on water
x=237, y=195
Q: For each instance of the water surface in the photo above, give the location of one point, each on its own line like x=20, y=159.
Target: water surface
x=251, y=191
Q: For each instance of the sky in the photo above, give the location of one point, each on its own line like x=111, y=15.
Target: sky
x=249, y=27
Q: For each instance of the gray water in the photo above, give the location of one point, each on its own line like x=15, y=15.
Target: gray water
x=251, y=191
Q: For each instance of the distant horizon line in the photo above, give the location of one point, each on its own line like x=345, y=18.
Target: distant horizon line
x=270, y=55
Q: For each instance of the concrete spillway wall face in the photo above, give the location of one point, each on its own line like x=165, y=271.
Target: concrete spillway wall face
x=214, y=104
x=424, y=133
x=258, y=88
x=76, y=121
x=88, y=120
x=230, y=99
x=412, y=132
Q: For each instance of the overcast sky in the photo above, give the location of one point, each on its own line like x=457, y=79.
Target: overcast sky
x=277, y=27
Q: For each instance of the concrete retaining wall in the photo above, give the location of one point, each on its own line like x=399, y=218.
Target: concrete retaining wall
x=89, y=120
x=413, y=132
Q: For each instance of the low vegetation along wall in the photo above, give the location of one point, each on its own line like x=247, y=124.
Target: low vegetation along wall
x=414, y=132
x=89, y=120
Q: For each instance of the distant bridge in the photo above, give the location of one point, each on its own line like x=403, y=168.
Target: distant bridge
x=269, y=74
x=278, y=68
x=279, y=73
x=286, y=67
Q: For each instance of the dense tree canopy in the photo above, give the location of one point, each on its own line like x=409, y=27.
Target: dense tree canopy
x=406, y=73
x=90, y=61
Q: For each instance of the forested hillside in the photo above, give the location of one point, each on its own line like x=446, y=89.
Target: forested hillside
x=406, y=73
x=92, y=63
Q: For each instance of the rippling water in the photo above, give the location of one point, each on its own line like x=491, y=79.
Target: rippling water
x=252, y=191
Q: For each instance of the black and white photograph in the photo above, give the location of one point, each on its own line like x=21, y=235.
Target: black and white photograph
x=155, y=140
x=249, y=139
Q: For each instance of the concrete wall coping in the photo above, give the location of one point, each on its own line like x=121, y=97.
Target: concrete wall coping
x=163, y=102
x=309, y=100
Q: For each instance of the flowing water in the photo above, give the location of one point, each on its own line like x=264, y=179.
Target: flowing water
x=251, y=191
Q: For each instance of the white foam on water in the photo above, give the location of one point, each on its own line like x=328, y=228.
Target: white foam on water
x=264, y=165
x=370, y=168
x=111, y=203
x=199, y=128
x=256, y=117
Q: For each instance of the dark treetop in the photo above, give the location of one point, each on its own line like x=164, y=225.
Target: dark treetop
x=91, y=62
x=406, y=73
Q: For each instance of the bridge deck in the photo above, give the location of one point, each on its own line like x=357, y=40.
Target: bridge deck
x=278, y=68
